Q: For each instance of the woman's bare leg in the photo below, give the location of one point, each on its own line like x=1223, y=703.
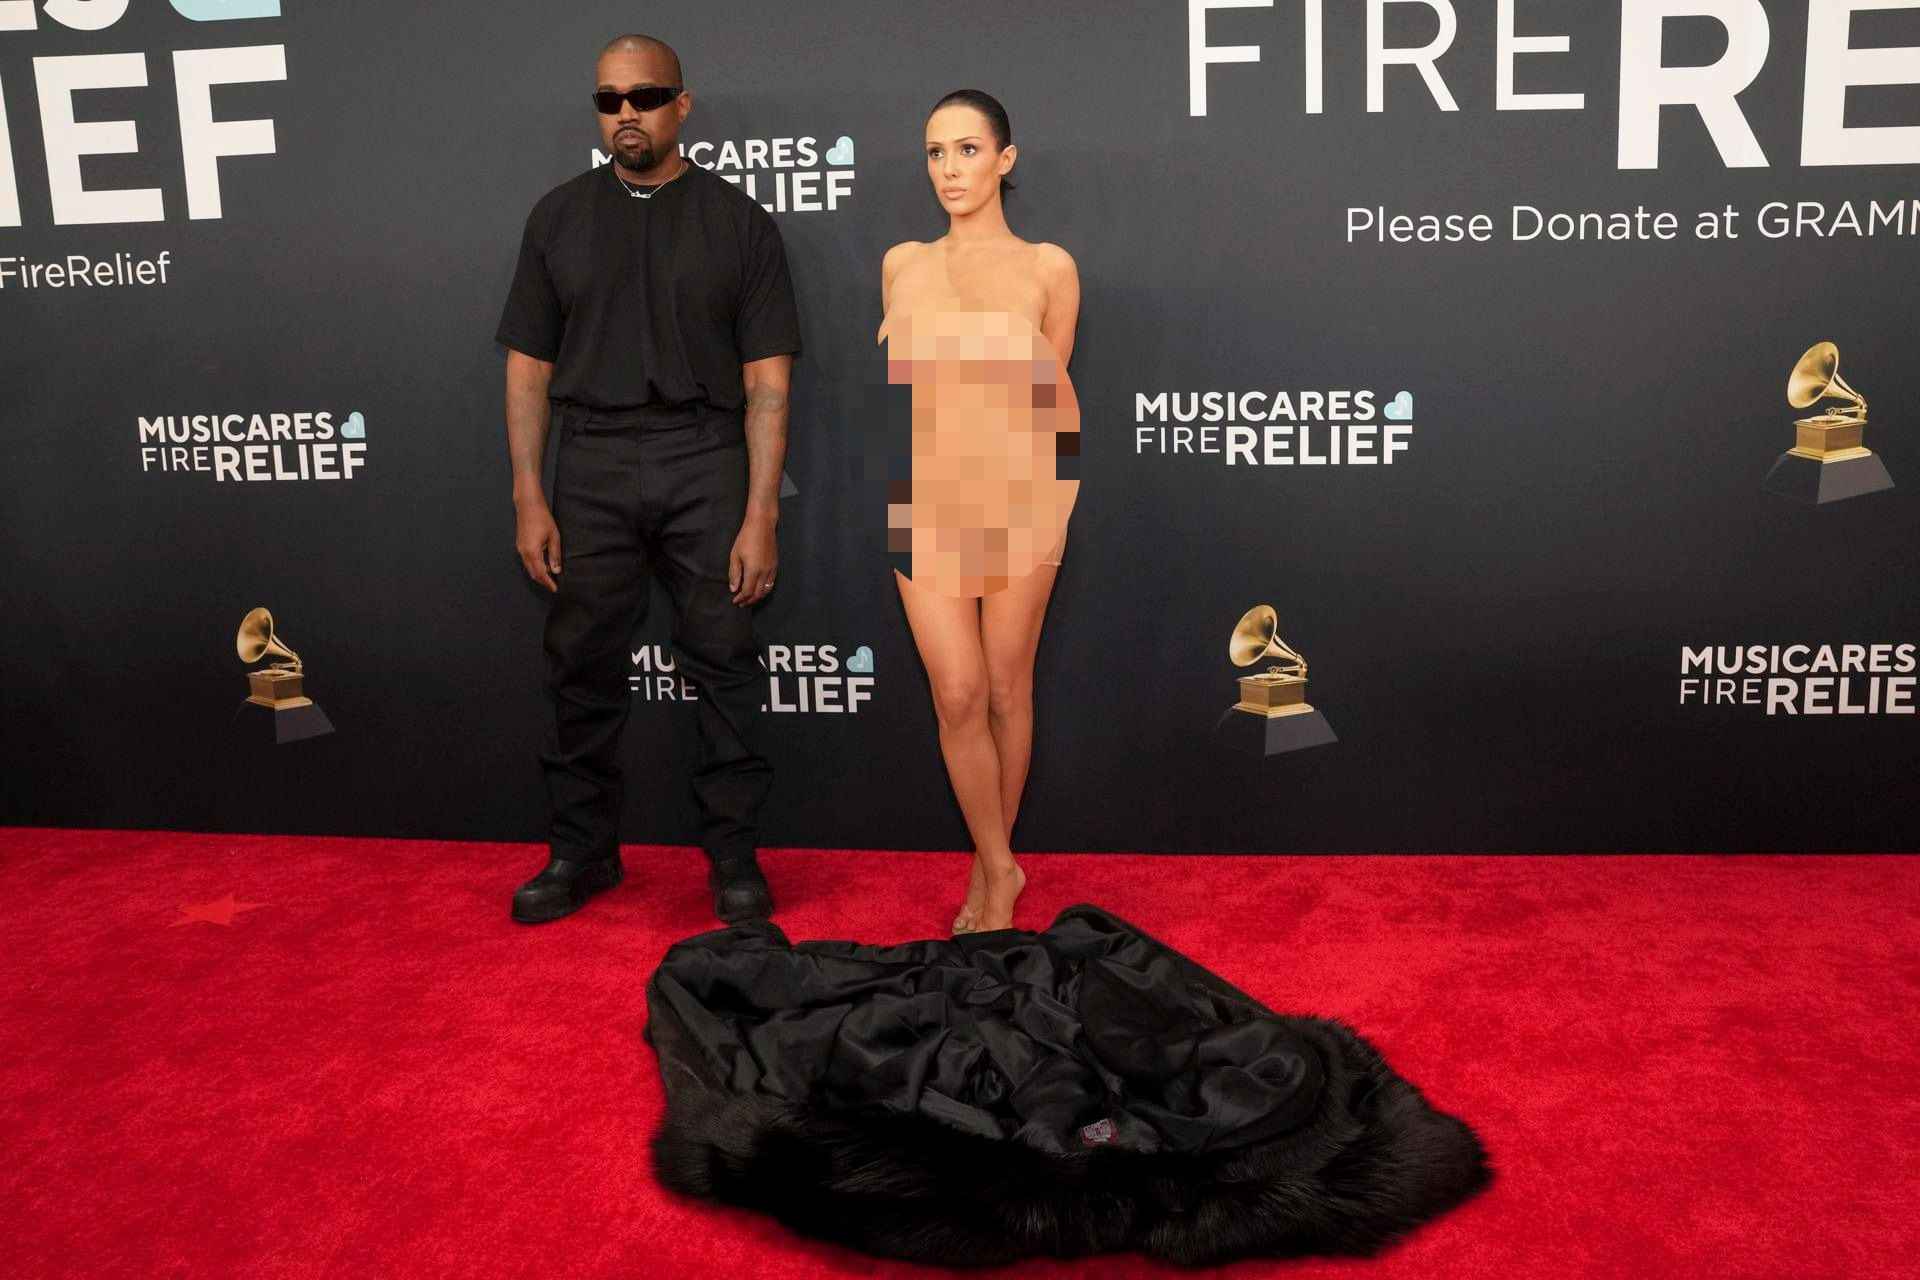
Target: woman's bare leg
x=946, y=630
x=1010, y=637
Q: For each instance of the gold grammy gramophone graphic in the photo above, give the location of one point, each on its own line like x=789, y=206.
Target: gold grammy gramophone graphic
x=280, y=686
x=1829, y=459
x=1272, y=715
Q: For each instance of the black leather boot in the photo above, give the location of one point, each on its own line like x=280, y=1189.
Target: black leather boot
x=564, y=887
x=740, y=891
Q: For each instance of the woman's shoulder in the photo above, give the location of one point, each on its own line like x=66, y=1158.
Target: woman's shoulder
x=1054, y=262
x=903, y=253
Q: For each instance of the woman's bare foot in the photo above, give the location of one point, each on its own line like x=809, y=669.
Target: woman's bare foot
x=969, y=918
x=1003, y=890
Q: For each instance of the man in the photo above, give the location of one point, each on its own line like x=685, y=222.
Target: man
x=652, y=319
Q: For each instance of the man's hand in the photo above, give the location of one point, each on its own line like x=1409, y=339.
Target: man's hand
x=750, y=567
x=537, y=538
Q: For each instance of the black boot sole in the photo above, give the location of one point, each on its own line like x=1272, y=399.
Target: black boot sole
x=588, y=885
x=737, y=917
x=752, y=886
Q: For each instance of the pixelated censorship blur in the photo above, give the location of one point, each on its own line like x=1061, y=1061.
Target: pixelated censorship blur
x=996, y=445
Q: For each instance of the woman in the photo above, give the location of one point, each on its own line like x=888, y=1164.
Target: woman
x=981, y=323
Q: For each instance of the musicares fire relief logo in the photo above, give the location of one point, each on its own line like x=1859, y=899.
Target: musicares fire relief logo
x=102, y=105
x=815, y=679
x=297, y=445
x=1275, y=428
x=1645, y=81
x=786, y=175
x=1802, y=679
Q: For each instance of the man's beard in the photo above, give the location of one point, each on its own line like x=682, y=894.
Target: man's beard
x=636, y=159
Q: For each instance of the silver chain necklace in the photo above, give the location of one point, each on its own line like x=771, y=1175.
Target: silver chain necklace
x=637, y=193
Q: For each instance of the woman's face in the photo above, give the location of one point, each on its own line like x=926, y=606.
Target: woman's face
x=963, y=162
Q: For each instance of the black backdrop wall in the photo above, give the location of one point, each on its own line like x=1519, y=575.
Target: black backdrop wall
x=1503, y=609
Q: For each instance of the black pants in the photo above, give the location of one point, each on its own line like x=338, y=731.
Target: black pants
x=650, y=491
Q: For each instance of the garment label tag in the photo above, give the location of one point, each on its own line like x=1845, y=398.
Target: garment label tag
x=1097, y=1134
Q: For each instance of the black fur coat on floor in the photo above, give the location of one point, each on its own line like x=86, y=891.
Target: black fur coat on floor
x=1000, y=1095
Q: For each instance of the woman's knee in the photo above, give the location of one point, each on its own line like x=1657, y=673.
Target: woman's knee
x=1009, y=692
x=959, y=699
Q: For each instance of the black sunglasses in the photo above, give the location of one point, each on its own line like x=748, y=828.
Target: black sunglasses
x=646, y=98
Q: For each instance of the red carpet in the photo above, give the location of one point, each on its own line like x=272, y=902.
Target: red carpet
x=258, y=1056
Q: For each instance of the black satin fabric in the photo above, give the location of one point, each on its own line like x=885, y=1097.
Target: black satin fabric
x=1088, y=1034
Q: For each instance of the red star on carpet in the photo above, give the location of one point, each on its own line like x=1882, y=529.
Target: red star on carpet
x=220, y=911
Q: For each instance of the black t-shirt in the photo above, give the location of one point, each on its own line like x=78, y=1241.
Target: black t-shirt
x=650, y=302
